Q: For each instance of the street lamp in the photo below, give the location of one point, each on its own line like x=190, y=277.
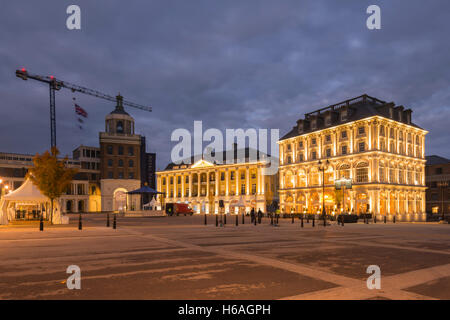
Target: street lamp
x=442, y=185
x=323, y=167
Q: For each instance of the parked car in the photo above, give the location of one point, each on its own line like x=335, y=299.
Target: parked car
x=178, y=208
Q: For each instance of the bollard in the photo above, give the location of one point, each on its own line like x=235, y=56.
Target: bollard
x=80, y=224
x=313, y=222
x=271, y=219
x=374, y=219
x=384, y=219
x=224, y=219
x=307, y=218
x=338, y=220
x=237, y=220
x=217, y=220
x=41, y=224
x=292, y=218
x=301, y=221
x=393, y=219
x=107, y=219
x=206, y=222
x=115, y=221
x=243, y=218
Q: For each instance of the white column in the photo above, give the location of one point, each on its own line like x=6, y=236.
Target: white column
x=207, y=183
x=247, y=172
x=190, y=185
x=226, y=182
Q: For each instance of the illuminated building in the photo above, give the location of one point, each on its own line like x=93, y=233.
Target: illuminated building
x=373, y=143
x=202, y=184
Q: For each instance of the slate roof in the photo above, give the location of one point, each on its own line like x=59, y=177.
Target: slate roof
x=360, y=107
x=434, y=159
x=221, y=155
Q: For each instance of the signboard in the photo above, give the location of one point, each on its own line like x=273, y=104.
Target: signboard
x=346, y=183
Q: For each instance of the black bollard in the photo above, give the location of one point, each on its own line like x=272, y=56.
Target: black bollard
x=301, y=221
x=384, y=219
x=237, y=220
x=324, y=220
x=107, y=219
x=374, y=219
x=115, y=221
x=292, y=218
x=313, y=222
x=307, y=218
x=41, y=224
x=80, y=224
x=243, y=218
x=217, y=220
x=206, y=222
x=394, y=219
x=224, y=219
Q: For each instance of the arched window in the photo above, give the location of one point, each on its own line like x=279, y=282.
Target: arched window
x=119, y=127
x=301, y=179
x=362, y=172
x=288, y=180
x=344, y=171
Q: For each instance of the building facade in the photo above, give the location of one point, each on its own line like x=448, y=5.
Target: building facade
x=204, y=184
x=371, y=142
x=121, y=164
x=437, y=178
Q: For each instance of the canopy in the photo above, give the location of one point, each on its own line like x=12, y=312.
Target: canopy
x=26, y=192
x=144, y=189
x=240, y=203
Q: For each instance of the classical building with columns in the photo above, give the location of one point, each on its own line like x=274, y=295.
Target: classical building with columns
x=202, y=183
x=372, y=142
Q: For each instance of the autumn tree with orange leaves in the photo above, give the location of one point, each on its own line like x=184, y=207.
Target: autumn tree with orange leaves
x=51, y=175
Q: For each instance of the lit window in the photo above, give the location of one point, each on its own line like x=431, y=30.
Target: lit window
x=344, y=150
x=362, y=172
x=344, y=134
x=361, y=130
x=362, y=146
x=328, y=153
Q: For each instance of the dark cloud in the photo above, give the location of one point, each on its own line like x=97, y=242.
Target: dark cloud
x=229, y=63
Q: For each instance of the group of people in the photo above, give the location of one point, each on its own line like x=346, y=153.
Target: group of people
x=258, y=215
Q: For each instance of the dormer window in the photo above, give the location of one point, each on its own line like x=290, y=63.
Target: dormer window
x=328, y=120
x=344, y=115
x=314, y=124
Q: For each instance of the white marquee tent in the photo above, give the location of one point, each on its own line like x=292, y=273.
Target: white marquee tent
x=27, y=195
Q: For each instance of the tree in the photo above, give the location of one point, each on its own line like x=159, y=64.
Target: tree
x=50, y=175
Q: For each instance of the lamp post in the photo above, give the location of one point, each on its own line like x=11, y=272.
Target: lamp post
x=323, y=167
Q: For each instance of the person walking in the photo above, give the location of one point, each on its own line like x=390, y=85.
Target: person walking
x=259, y=216
x=252, y=215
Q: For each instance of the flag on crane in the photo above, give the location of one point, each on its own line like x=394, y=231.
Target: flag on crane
x=80, y=113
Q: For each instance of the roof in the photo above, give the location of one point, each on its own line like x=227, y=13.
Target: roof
x=434, y=159
x=144, y=189
x=26, y=192
x=220, y=155
x=359, y=108
x=119, y=107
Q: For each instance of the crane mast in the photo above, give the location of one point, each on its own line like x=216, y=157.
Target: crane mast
x=56, y=84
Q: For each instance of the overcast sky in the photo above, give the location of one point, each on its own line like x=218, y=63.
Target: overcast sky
x=231, y=64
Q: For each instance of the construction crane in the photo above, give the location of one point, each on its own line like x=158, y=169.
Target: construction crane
x=56, y=84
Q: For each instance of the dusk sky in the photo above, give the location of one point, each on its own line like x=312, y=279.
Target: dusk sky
x=231, y=64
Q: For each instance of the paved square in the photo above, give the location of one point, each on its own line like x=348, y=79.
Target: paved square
x=180, y=258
